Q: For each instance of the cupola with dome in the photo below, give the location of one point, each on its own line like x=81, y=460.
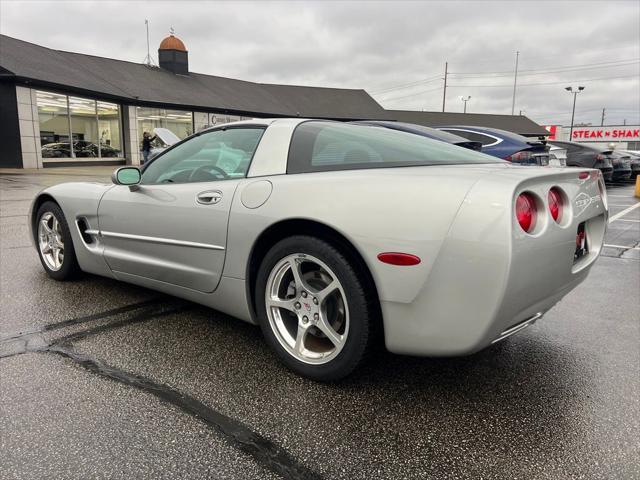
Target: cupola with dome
x=173, y=55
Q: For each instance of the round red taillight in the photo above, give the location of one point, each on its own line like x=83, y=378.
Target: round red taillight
x=555, y=204
x=526, y=211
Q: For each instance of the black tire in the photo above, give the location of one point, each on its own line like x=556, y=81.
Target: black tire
x=69, y=268
x=363, y=316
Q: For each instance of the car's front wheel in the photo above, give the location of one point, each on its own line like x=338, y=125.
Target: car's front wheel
x=55, y=246
x=314, y=308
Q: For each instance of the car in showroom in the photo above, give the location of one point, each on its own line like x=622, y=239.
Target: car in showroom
x=590, y=156
x=425, y=132
x=163, y=139
x=81, y=148
x=503, y=144
x=332, y=237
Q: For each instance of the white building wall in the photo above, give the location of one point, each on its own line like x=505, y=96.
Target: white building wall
x=29, y=127
x=129, y=114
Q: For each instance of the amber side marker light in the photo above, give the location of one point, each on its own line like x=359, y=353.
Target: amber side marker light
x=397, y=258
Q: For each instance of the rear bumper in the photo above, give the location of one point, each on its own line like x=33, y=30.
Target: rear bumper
x=490, y=278
x=416, y=332
x=621, y=174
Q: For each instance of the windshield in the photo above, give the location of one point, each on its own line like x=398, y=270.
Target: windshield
x=326, y=146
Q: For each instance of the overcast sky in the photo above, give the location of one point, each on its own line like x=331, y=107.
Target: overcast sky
x=395, y=50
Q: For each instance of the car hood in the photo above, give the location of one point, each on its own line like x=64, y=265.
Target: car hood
x=166, y=135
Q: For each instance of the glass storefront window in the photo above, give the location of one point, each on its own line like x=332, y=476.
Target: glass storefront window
x=109, y=129
x=54, y=125
x=178, y=122
x=201, y=120
x=95, y=127
x=84, y=127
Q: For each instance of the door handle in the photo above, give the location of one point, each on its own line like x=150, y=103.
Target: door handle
x=209, y=198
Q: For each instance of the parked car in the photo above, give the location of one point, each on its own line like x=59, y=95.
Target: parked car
x=332, y=233
x=621, y=165
x=502, y=144
x=425, y=132
x=587, y=156
x=81, y=149
x=557, y=156
x=634, y=161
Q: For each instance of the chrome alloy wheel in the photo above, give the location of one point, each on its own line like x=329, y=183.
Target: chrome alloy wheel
x=307, y=308
x=50, y=241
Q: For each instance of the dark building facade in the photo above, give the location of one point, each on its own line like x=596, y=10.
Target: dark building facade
x=62, y=108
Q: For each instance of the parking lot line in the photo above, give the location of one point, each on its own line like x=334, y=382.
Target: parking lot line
x=623, y=212
x=628, y=220
x=621, y=246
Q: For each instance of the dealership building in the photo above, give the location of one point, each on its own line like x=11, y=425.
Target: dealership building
x=61, y=108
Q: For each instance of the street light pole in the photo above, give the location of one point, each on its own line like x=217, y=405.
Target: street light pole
x=573, y=111
x=465, y=100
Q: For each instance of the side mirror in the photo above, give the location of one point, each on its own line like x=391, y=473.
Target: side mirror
x=127, y=176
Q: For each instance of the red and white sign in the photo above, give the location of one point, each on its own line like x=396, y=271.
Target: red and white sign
x=553, y=131
x=620, y=133
x=606, y=133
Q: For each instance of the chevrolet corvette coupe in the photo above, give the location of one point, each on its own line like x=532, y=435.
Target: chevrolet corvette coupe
x=332, y=237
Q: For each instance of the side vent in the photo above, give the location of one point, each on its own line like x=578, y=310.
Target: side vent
x=83, y=226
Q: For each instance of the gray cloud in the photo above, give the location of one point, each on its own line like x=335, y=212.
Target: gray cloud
x=376, y=46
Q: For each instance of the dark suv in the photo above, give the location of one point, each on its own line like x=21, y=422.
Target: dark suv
x=587, y=156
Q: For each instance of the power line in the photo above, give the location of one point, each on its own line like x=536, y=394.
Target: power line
x=509, y=73
x=506, y=61
x=408, y=85
x=547, y=83
x=549, y=72
x=559, y=68
x=410, y=95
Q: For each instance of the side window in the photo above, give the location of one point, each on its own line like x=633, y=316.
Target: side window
x=321, y=146
x=210, y=156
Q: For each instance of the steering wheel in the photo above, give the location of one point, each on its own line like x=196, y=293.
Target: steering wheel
x=208, y=169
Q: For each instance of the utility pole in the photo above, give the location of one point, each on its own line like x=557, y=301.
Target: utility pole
x=444, y=94
x=602, y=121
x=515, y=80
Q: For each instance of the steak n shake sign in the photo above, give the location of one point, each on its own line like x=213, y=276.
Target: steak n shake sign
x=606, y=133
x=616, y=133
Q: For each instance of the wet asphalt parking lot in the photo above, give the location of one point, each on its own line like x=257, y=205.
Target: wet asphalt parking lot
x=100, y=379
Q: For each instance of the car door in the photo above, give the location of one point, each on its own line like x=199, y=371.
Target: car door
x=173, y=226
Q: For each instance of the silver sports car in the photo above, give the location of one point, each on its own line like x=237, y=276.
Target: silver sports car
x=333, y=236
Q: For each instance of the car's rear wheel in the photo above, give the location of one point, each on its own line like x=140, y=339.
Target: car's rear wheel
x=313, y=308
x=55, y=246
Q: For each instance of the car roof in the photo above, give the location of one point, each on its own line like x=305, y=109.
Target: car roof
x=584, y=146
x=491, y=131
x=417, y=129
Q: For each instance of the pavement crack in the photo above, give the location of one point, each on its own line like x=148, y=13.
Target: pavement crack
x=264, y=451
x=34, y=340
x=78, y=320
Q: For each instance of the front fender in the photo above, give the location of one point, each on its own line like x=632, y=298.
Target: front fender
x=77, y=200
